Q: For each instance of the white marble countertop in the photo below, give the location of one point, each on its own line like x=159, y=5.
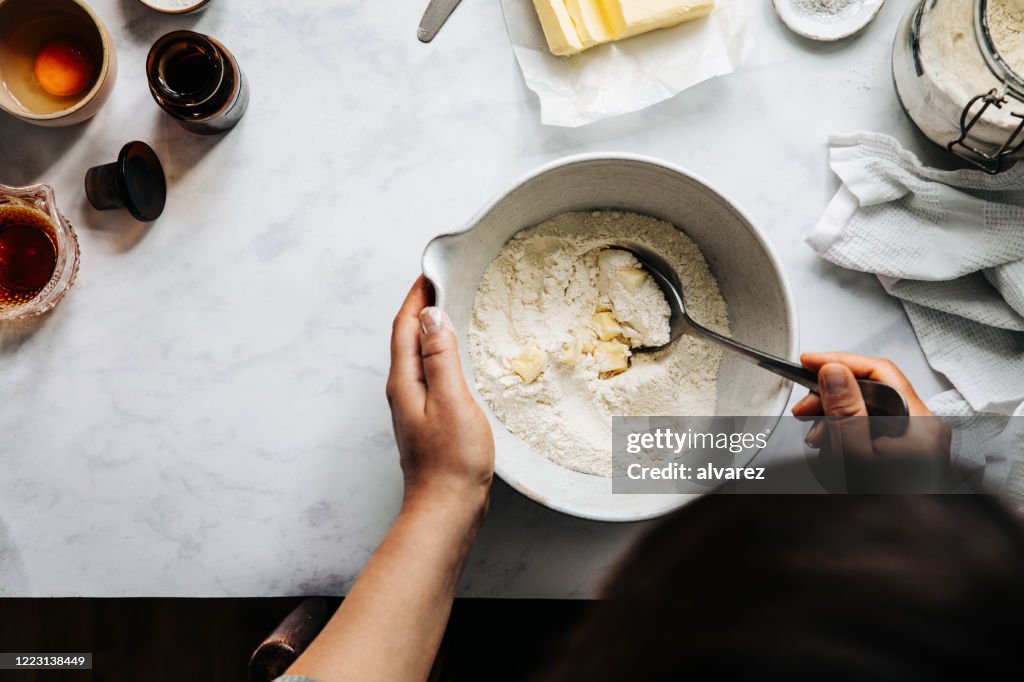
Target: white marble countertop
x=204, y=414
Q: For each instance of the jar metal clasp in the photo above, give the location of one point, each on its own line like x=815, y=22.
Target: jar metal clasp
x=992, y=162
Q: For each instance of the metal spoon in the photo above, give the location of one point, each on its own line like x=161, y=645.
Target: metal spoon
x=881, y=399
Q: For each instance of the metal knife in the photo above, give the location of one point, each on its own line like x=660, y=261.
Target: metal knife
x=437, y=13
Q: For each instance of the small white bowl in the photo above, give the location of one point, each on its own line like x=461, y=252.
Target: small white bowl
x=176, y=6
x=824, y=27
x=761, y=308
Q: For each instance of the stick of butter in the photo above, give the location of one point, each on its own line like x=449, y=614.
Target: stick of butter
x=590, y=22
x=558, y=27
x=572, y=26
x=630, y=18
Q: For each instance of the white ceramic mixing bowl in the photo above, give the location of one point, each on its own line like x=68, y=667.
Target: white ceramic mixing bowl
x=761, y=309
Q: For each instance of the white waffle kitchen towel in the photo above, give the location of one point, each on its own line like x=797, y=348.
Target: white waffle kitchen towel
x=950, y=246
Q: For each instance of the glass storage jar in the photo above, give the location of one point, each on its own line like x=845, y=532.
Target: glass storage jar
x=39, y=201
x=198, y=82
x=957, y=65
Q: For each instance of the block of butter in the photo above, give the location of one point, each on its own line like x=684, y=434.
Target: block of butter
x=572, y=26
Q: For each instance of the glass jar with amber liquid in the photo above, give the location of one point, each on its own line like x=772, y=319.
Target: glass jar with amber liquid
x=38, y=252
x=198, y=82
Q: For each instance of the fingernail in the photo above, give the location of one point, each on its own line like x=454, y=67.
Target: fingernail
x=433, y=320
x=812, y=434
x=834, y=380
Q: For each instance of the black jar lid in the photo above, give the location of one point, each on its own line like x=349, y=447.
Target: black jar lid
x=135, y=181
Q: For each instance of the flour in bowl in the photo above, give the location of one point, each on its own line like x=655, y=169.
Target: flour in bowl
x=555, y=322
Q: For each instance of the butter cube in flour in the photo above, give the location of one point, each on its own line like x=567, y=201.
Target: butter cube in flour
x=571, y=352
x=587, y=340
x=528, y=364
x=632, y=278
x=605, y=326
x=611, y=357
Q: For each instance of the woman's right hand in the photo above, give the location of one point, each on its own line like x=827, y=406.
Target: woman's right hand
x=847, y=430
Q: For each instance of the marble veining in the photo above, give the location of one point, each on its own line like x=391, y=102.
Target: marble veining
x=204, y=414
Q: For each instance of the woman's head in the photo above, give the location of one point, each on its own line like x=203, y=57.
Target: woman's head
x=838, y=587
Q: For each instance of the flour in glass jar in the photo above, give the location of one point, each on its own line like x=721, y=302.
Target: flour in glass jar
x=1006, y=23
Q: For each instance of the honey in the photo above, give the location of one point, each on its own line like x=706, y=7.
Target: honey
x=28, y=255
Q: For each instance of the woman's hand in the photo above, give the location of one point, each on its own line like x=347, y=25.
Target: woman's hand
x=445, y=441
x=390, y=625
x=926, y=436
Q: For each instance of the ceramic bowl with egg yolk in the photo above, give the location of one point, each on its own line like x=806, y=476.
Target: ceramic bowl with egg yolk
x=750, y=277
x=71, y=21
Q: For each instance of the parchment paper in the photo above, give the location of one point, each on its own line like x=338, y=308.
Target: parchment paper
x=617, y=78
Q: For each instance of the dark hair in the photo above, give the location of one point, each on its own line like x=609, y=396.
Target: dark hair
x=790, y=587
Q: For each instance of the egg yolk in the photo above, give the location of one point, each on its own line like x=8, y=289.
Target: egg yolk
x=63, y=68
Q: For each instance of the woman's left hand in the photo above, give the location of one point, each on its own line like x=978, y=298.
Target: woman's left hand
x=445, y=440
x=391, y=623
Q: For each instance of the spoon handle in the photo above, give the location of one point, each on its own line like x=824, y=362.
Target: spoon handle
x=881, y=399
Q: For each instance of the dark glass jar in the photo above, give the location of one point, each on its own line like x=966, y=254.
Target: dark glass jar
x=198, y=82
